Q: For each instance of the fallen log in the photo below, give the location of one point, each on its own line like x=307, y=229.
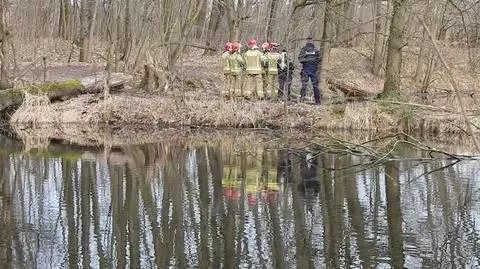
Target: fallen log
x=349, y=91
x=58, y=90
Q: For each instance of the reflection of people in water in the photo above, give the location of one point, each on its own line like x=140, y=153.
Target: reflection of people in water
x=284, y=166
x=270, y=180
x=231, y=183
x=270, y=189
x=309, y=184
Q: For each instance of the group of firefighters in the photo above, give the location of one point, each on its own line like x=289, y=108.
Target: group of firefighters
x=267, y=74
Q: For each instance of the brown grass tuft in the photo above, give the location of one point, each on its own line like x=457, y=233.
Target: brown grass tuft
x=35, y=110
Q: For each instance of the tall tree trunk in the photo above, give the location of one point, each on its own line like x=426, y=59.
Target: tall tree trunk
x=218, y=10
x=271, y=19
x=395, y=45
x=64, y=19
x=201, y=19
x=394, y=215
x=127, y=34
x=4, y=51
x=232, y=21
x=420, y=69
x=6, y=220
x=326, y=38
x=379, y=39
x=347, y=12
x=327, y=31
x=86, y=16
x=294, y=20
x=186, y=26
x=93, y=17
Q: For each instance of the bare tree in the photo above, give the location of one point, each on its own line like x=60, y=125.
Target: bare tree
x=271, y=19
x=87, y=11
x=4, y=52
x=64, y=19
x=395, y=46
x=379, y=37
x=216, y=15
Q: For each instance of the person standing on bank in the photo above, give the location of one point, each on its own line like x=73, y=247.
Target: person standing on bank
x=265, y=49
x=272, y=57
x=236, y=62
x=285, y=75
x=310, y=59
x=253, y=59
x=227, y=50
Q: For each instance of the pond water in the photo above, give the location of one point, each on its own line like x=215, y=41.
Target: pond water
x=179, y=205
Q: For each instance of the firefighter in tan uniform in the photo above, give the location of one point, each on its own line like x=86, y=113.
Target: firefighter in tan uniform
x=253, y=59
x=236, y=62
x=272, y=57
x=227, y=50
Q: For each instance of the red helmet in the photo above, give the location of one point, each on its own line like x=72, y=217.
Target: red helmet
x=252, y=43
x=266, y=45
x=274, y=46
x=228, y=46
x=236, y=46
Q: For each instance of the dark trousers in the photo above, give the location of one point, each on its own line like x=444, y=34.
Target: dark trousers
x=285, y=84
x=310, y=74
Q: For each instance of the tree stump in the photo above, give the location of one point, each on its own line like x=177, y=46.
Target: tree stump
x=152, y=79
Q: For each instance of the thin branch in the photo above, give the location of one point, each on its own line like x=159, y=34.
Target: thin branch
x=453, y=81
x=187, y=45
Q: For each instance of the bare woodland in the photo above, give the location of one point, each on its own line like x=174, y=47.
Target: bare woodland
x=127, y=34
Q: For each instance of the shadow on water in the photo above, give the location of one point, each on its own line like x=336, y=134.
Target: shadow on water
x=223, y=206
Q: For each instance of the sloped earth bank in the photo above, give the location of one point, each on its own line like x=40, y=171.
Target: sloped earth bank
x=203, y=111
x=199, y=105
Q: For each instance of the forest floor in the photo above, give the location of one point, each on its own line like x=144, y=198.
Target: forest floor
x=195, y=99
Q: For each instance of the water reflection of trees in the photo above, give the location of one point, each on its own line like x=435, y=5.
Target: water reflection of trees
x=226, y=206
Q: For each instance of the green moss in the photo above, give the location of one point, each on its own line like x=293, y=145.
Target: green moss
x=339, y=110
x=46, y=87
x=13, y=93
x=390, y=96
x=53, y=86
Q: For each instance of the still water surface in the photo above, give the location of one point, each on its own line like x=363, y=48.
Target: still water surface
x=173, y=205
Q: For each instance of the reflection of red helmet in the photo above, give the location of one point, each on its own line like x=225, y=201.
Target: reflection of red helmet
x=227, y=192
x=231, y=193
x=252, y=198
x=228, y=46
x=272, y=196
x=252, y=43
x=269, y=195
x=236, y=194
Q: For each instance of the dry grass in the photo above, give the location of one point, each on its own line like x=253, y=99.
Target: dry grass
x=195, y=101
x=214, y=112
x=35, y=110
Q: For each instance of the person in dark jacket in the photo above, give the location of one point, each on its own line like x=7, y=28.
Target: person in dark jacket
x=310, y=59
x=285, y=75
